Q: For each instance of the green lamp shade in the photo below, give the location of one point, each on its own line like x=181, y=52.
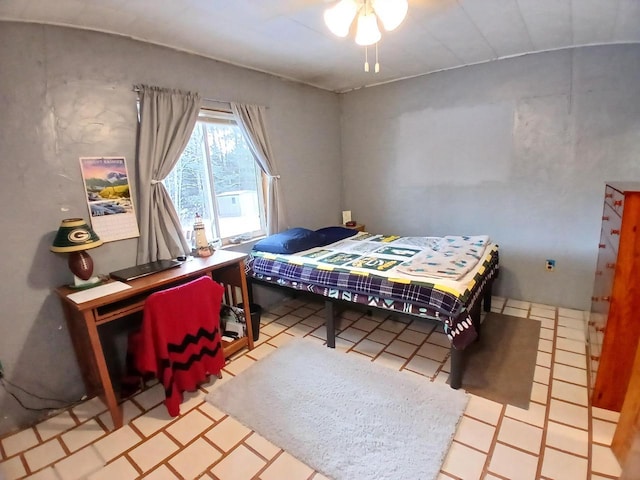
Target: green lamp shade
x=74, y=235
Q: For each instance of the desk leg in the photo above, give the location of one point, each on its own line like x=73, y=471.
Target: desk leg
x=95, y=349
x=241, y=281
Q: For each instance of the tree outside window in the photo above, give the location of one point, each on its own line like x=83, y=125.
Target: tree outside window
x=218, y=178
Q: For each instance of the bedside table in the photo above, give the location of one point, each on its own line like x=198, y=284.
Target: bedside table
x=358, y=226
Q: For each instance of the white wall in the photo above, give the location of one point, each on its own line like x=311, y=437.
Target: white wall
x=67, y=93
x=518, y=149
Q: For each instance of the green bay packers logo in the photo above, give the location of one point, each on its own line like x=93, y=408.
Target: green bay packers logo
x=79, y=235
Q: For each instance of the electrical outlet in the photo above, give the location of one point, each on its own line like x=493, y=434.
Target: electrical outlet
x=550, y=265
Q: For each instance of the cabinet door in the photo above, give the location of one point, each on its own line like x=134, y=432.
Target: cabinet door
x=596, y=338
x=605, y=273
x=600, y=303
x=615, y=199
x=603, y=283
x=611, y=227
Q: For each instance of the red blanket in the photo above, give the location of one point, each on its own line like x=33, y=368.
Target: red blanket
x=179, y=341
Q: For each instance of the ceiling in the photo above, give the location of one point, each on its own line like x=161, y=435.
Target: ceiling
x=288, y=38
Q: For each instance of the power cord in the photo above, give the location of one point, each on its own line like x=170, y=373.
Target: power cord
x=4, y=382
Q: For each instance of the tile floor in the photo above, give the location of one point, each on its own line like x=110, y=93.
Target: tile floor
x=559, y=437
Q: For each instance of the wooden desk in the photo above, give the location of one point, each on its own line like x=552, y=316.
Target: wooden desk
x=84, y=319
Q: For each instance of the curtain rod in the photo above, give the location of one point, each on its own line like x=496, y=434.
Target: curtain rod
x=227, y=102
x=137, y=90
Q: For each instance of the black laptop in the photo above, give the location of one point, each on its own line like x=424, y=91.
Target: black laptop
x=131, y=273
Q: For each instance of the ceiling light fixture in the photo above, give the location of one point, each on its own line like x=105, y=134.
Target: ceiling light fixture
x=390, y=13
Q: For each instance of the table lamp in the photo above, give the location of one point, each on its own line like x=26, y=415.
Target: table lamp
x=75, y=236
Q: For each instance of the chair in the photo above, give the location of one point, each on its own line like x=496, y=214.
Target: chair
x=179, y=341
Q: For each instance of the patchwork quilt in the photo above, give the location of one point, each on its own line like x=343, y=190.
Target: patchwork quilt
x=447, y=257
x=393, y=272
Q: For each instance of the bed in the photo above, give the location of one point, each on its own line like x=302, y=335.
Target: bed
x=447, y=278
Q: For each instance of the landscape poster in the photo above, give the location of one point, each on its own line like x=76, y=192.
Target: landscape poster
x=106, y=183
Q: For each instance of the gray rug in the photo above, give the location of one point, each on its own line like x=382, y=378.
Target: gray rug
x=500, y=366
x=345, y=416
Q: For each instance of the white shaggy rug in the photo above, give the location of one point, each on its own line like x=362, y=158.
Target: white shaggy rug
x=343, y=415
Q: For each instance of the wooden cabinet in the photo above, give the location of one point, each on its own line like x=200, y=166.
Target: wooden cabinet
x=614, y=322
x=627, y=433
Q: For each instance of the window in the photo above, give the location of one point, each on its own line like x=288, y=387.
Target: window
x=218, y=178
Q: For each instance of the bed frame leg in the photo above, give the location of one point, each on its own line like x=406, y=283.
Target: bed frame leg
x=457, y=368
x=488, y=291
x=330, y=322
x=475, y=315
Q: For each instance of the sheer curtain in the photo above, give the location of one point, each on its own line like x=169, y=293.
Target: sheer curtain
x=167, y=118
x=250, y=119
